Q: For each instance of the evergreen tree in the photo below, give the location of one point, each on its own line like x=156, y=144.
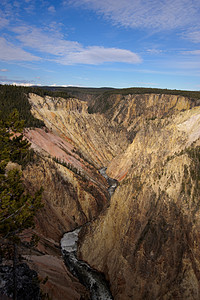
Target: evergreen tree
x=17, y=208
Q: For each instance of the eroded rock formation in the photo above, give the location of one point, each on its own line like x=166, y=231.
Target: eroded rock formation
x=147, y=243
x=145, y=238
x=97, y=138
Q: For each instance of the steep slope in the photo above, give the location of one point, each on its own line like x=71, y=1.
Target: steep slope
x=98, y=139
x=162, y=137
x=146, y=239
x=147, y=242
x=74, y=191
x=131, y=111
x=70, y=199
x=74, y=194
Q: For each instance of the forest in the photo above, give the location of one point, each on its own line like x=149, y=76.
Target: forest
x=16, y=97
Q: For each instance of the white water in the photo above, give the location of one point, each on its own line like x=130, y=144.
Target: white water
x=112, y=182
x=69, y=241
x=92, y=279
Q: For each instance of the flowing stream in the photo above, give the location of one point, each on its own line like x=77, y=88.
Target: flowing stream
x=93, y=280
x=113, y=183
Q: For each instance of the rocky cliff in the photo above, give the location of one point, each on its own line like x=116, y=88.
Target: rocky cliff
x=147, y=243
x=98, y=139
x=145, y=238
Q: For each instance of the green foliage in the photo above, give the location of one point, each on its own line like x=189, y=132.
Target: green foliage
x=102, y=96
x=66, y=165
x=48, y=91
x=76, y=91
x=13, y=97
x=136, y=90
x=104, y=102
x=17, y=208
x=81, y=156
x=12, y=144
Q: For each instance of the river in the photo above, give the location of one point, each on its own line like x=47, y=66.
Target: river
x=113, y=183
x=93, y=280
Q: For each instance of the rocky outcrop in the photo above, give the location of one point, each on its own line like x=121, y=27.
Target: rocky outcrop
x=98, y=139
x=157, y=140
x=56, y=281
x=26, y=285
x=132, y=111
x=147, y=242
x=70, y=199
x=146, y=238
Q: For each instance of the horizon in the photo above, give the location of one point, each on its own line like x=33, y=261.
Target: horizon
x=92, y=44
x=94, y=87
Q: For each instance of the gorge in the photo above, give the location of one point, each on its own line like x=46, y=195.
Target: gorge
x=141, y=228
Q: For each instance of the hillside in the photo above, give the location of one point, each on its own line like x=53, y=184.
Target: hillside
x=144, y=238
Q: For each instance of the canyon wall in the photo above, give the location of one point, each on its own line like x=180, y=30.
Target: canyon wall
x=145, y=238
x=98, y=139
x=147, y=243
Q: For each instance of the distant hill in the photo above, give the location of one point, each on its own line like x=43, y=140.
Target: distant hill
x=99, y=99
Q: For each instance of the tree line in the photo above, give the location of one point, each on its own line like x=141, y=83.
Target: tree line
x=16, y=97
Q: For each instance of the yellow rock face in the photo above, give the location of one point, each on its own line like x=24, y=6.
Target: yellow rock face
x=146, y=240
x=95, y=136
x=160, y=137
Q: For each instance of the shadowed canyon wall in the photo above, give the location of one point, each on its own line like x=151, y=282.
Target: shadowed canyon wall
x=147, y=243
x=145, y=238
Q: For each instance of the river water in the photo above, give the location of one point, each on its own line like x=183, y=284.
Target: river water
x=113, y=183
x=93, y=280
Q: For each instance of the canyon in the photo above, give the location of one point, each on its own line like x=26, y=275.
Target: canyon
x=144, y=237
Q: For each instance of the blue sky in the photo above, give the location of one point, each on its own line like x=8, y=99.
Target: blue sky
x=113, y=43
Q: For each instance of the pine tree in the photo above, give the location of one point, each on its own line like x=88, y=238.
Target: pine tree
x=17, y=208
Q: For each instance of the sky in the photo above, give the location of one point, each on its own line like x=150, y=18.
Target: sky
x=101, y=43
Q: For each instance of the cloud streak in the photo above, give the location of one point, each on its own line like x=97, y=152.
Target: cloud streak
x=20, y=82
x=52, y=9
x=3, y=22
x=98, y=55
x=193, y=52
x=154, y=14
x=44, y=41
x=193, y=36
x=10, y=52
x=67, y=52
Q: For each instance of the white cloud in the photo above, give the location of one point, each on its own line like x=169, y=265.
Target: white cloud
x=22, y=84
x=190, y=65
x=45, y=42
x=61, y=85
x=3, y=22
x=193, y=36
x=9, y=52
x=30, y=8
x=97, y=55
x=3, y=70
x=69, y=52
x=154, y=51
x=145, y=83
x=19, y=82
x=193, y=52
x=155, y=14
x=51, y=9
